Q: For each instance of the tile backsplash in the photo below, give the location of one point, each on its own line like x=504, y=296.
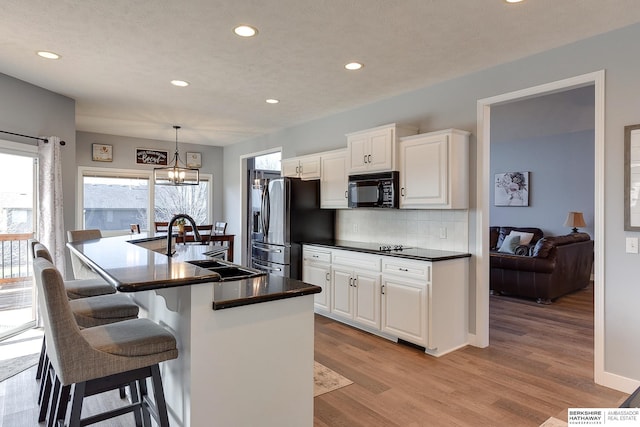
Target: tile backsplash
x=432, y=229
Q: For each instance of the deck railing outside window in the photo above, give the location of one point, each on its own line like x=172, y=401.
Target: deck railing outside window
x=15, y=258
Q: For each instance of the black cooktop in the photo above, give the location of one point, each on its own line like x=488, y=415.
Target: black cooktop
x=393, y=250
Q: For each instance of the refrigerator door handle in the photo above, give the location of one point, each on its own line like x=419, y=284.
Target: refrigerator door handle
x=265, y=268
x=267, y=250
x=265, y=211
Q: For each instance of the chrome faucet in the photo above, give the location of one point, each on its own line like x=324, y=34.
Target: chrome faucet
x=196, y=234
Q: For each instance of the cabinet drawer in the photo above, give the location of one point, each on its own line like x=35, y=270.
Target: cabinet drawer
x=407, y=269
x=314, y=255
x=356, y=260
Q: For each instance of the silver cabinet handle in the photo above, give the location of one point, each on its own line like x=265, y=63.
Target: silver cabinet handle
x=365, y=159
x=326, y=277
x=382, y=289
x=315, y=256
x=369, y=158
x=403, y=269
x=402, y=191
x=346, y=194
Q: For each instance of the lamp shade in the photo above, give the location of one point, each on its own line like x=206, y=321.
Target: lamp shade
x=575, y=220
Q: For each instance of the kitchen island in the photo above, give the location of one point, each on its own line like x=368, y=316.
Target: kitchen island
x=245, y=346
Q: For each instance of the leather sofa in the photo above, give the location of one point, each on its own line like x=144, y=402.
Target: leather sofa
x=553, y=266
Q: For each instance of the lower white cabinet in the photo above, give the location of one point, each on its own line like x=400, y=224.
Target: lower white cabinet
x=355, y=295
x=316, y=269
x=405, y=309
x=421, y=302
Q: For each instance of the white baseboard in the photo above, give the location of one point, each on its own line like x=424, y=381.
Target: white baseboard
x=618, y=382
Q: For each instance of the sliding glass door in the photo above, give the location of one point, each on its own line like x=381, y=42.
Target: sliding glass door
x=17, y=226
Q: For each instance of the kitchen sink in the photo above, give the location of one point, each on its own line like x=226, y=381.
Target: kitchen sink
x=227, y=271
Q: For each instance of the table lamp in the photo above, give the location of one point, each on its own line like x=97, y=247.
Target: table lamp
x=575, y=220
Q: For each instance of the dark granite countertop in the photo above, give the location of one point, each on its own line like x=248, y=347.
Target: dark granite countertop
x=131, y=268
x=419, y=254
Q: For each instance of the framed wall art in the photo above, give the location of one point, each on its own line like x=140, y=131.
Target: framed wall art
x=148, y=156
x=194, y=160
x=631, y=177
x=102, y=153
x=511, y=189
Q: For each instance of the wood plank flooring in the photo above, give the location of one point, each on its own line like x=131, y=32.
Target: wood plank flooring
x=539, y=363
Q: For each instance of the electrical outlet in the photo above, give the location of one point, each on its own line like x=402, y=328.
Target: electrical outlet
x=355, y=228
x=443, y=232
x=632, y=245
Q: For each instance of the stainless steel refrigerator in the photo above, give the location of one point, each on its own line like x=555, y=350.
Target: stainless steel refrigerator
x=285, y=212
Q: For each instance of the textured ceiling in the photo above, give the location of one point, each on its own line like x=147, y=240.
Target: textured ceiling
x=118, y=56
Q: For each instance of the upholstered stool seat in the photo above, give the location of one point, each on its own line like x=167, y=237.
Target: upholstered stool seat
x=83, y=288
x=90, y=361
x=103, y=309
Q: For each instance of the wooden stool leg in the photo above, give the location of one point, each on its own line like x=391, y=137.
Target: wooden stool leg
x=43, y=355
x=77, y=397
x=45, y=394
x=158, y=392
x=135, y=398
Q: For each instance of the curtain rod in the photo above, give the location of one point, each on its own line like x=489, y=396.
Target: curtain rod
x=32, y=137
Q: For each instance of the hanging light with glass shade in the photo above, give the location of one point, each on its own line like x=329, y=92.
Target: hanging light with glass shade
x=177, y=173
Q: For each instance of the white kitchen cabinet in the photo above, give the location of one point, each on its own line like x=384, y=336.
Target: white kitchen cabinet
x=355, y=291
x=406, y=288
x=316, y=270
x=434, y=170
x=375, y=150
x=333, y=179
x=303, y=167
x=421, y=302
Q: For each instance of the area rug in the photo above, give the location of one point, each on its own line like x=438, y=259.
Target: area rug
x=326, y=380
x=11, y=367
x=554, y=422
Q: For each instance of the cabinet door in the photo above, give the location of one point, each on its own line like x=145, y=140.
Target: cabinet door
x=290, y=167
x=367, y=299
x=310, y=167
x=404, y=310
x=341, y=293
x=319, y=275
x=358, y=153
x=380, y=156
x=424, y=172
x=333, y=181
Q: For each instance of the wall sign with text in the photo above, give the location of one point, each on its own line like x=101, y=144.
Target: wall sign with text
x=148, y=156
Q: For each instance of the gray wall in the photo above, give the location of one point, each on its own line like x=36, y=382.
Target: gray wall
x=33, y=111
x=552, y=137
x=124, y=157
x=454, y=103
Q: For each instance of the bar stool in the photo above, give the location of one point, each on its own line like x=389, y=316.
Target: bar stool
x=94, y=360
x=80, y=288
x=80, y=269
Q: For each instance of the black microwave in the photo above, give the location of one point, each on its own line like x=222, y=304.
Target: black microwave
x=377, y=190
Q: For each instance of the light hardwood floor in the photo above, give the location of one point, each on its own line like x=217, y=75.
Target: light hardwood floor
x=538, y=364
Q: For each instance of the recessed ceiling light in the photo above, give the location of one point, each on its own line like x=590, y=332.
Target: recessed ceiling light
x=272, y=101
x=353, y=66
x=513, y=1
x=48, y=55
x=245, y=31
x=179, y=83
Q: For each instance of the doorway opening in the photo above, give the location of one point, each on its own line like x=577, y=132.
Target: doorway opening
x=485, y=106
x=18, y=217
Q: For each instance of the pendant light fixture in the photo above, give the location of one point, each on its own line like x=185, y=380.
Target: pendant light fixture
x=176, y=174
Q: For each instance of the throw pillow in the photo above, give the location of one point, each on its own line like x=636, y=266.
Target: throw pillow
x=509, y=245
x=542, y=248
x=525, y=238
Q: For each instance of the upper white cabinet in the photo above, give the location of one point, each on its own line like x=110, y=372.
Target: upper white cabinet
x=375, y=150
x=333, y=179
x=434, y=170
x=304, y=167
